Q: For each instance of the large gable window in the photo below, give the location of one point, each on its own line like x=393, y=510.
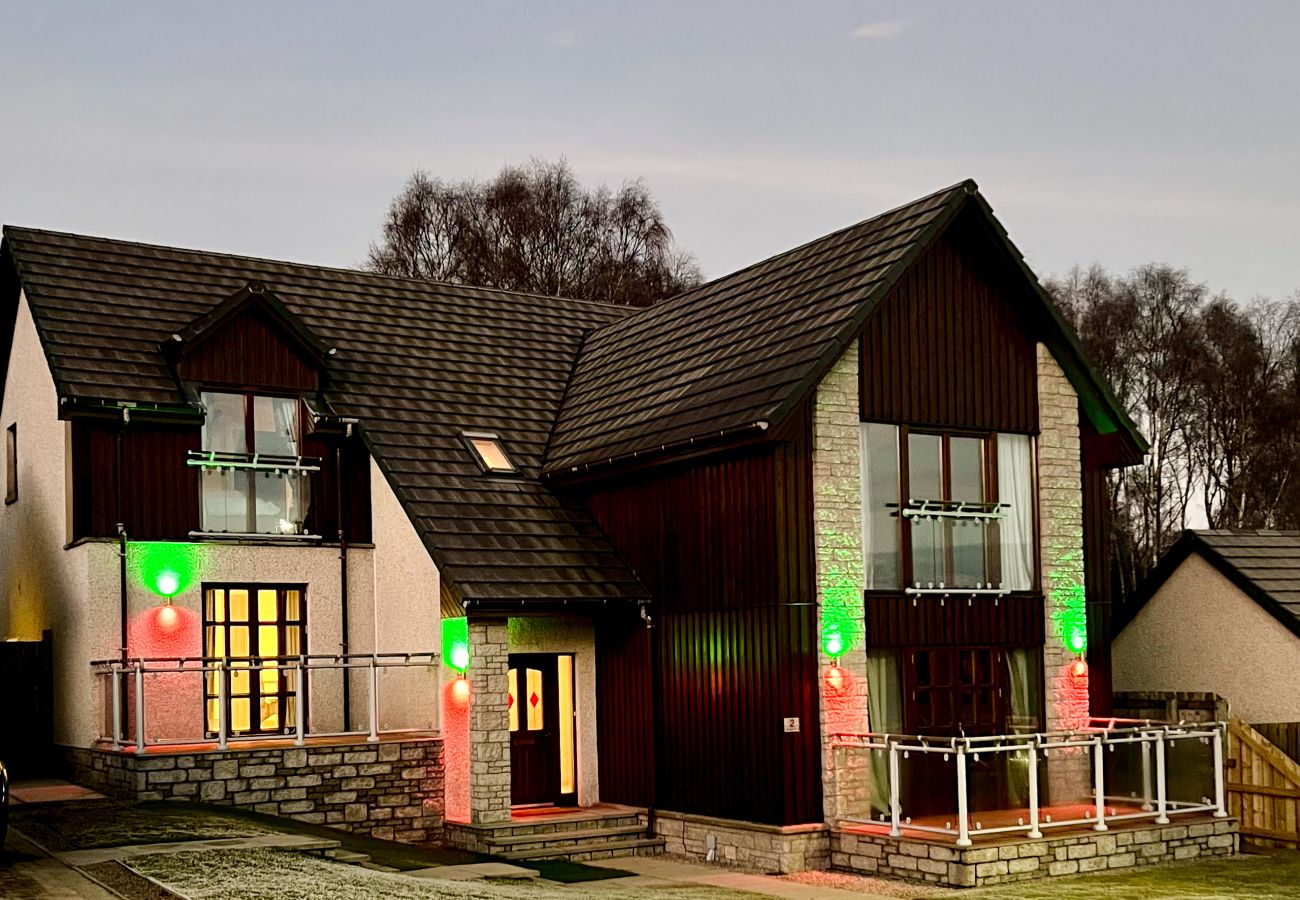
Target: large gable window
x=255, y=480
x=946, y=511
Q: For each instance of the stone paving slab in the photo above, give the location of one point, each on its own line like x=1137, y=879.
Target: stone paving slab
x=26, y=874
x=658, y=871
x=474, y=871
x=300, y=843
x=49, y=790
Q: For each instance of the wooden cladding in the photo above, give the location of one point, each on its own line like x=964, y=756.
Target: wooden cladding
x=896, y=620
x=160, y=493
x=1097, y=576
x=725, y=547
x=248, y=350
x=945, y=347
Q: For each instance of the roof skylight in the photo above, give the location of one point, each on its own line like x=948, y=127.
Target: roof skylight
x=489, y=453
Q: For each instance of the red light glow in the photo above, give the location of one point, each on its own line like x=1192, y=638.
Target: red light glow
x=1079, y=669
x=167, y=617
x=835, y=678
x=460, y=691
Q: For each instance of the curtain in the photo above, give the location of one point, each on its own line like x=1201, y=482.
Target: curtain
x=1015, y=490
x=880, y=522
x=1023, y=667
x=884, y=716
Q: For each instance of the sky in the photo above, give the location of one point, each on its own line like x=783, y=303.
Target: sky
x=1111, y=132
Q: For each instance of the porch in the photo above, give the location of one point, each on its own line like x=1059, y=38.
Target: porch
x=982, y=810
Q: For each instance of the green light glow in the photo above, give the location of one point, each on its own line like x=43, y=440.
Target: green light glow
x=163, y=568
x=455, y=643
x=1069, y=597
x=842, y=623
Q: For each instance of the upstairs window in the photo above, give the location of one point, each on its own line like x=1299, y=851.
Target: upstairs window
x=254, y=478
x=489, y=453
x=947, y=510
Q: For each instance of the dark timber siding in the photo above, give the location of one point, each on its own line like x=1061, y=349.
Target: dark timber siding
x=725, y=548
x=1014, y=621
x=160, y=493
x=944, y=347
x=248, y=351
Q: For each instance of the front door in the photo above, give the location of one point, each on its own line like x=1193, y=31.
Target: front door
x=954, y=692
x=542, y=733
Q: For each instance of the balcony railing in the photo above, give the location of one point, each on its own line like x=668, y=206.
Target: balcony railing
x=1111, y=771
x=163, y=701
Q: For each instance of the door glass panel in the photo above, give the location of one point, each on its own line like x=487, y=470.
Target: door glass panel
x=253, y=640
x=239, y=641
x=266, y=606
x=240, y=720
x=534, y=702
x=512, y=698
x=966, y=462
x=224, y=427
x=292, y=647
x=967, y=536
x=275, y=426
x=925, y=482
x=880, y=537
x=292, y=599
x=217, y=606
x=565, y=704
x=268, y=641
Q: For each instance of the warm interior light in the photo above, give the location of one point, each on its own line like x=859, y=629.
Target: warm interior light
x=491, y=454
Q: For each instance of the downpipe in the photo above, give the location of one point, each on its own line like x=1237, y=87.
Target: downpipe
x=655, y=673
x=343, y=578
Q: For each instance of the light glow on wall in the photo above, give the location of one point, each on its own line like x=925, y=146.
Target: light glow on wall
x=455, y=643
x=164, y=568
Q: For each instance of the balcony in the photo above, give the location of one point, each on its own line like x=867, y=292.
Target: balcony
x=1112, y=773
x=189, y=703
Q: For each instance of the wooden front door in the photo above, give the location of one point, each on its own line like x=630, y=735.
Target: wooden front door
x=542, y=733
x=954, y=692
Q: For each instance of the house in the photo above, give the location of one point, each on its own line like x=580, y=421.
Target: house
x=1236, y=591
x=431, y=560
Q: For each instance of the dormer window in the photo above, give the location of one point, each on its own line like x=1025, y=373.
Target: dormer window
x=254, y=479
x=489, y=453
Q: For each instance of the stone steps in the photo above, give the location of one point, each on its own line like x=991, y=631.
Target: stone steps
x=598, y=848
x=508, y=843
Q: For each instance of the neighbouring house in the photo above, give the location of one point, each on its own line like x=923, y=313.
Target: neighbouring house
x=1236, y=591
x=802, y=568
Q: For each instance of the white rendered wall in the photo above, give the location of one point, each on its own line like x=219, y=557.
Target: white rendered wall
x=1199, y=632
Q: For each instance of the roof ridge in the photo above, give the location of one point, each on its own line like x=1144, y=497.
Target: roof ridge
x=968, y=185
x=401, y=279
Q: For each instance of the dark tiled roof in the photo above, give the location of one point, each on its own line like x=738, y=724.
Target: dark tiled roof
x=736, y=351
x=1263, y=564
x=416, y=362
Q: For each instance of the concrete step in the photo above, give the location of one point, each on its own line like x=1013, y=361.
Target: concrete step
x=578, y=834
x=594, y=849
x=347, y=856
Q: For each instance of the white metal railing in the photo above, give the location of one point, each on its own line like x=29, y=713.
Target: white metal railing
x=1100, y=738
x=126, y=695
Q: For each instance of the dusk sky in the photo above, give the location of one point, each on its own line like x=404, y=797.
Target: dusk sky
x=1111, y=132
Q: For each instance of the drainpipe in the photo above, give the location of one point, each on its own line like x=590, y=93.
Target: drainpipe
x=656, y=737
x=121, y=558
x=343, y=576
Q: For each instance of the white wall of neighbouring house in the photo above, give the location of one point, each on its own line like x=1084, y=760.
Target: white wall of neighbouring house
x=1200, y=632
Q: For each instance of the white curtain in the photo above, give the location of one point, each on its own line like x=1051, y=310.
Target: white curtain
x=1015, y=490
x=884, y=716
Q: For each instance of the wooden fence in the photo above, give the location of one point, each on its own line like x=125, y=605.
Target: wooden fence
x=1263, y=788
x=1286, y=735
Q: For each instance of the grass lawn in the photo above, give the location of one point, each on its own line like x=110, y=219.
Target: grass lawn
x=280, y=875
x=89, y=824
x=1272, y=876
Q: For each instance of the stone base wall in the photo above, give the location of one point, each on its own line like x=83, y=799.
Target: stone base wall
x=768, y=848
x=390, y=790
x=1025, y=860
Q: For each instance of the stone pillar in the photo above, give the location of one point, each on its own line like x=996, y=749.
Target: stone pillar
x=837, y=512
x=489, y=724
x=1060, y=518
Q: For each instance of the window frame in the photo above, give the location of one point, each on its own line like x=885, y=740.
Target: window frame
x=469, y=437
x=255, y=694
x=990, y=491
x=11, y=463
x=250, y=443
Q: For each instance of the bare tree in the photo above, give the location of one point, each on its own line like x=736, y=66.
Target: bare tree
x=535, y=229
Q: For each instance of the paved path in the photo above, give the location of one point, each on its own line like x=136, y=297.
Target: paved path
x=658, y=871
x=27, y=874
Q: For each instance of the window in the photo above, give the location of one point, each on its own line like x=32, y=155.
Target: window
x=254, y=480
x=11, y=463
x=947, y=510
x=253, y=628
x=489, y=453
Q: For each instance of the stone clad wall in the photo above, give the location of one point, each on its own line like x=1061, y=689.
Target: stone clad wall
x=837, y=517
x=391, y=790
x=767, y=848
x=1060, y=491
x=489, y=722
x=1025, y=860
